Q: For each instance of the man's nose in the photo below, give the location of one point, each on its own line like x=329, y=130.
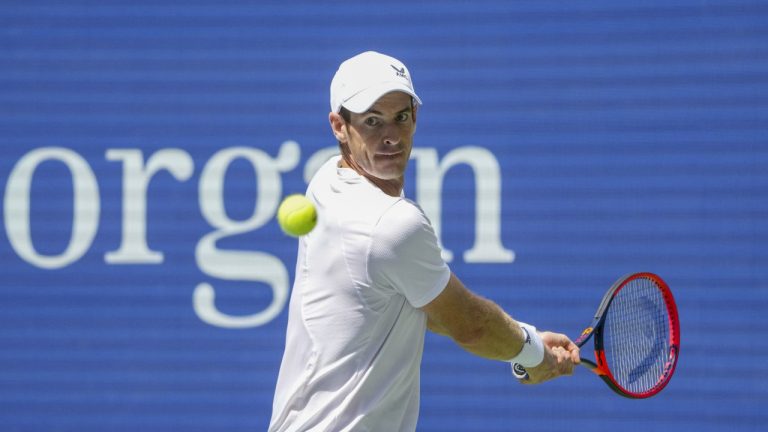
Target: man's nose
x=391, y=135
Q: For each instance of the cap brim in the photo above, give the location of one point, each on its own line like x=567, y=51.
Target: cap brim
x=362, y=101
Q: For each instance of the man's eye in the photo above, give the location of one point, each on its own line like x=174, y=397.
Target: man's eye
x=371, y=121
x=402, y=117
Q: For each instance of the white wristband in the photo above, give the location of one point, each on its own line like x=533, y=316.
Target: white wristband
x=532, y=353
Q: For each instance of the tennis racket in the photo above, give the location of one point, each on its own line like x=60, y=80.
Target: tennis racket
x=636, y=333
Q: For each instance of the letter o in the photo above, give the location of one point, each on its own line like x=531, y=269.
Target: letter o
x=17, y=203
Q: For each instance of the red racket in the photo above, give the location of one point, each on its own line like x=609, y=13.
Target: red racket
x=636, y=333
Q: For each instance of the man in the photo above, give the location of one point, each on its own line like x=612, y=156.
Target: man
x=370, y=279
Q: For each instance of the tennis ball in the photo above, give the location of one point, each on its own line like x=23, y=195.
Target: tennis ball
x=297, y=215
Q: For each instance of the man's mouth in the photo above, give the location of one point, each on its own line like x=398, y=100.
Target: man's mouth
x=389, y=155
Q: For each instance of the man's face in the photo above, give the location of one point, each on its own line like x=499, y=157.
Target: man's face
x=380, y=139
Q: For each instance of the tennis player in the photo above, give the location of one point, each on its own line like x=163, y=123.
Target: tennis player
x=370, y=279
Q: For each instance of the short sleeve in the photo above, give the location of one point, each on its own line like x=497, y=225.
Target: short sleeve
x=405, y=255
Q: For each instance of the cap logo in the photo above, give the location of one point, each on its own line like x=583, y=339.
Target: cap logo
x=400, y=72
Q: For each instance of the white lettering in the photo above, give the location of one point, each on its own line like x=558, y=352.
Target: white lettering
x=136, y=177
x=85, y=220
x=241, y=265
x=429, y=186
x=231, y=265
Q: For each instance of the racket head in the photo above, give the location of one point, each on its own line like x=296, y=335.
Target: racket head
x=636, y=334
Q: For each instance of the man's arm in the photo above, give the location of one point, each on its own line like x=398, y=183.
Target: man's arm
x=476, y=324
x=481, y=327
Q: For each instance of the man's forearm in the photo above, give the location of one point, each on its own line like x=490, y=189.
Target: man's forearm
x=475, y=323
x=496, y=335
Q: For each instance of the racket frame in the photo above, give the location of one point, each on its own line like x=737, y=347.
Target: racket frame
x=595, y=331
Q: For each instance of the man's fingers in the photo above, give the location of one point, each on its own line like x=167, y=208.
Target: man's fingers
x=561, y=355
x=576, y=356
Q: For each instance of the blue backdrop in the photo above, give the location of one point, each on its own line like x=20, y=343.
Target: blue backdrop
x=145, y=144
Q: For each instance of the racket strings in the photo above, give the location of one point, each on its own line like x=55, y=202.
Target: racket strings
x=636, y=335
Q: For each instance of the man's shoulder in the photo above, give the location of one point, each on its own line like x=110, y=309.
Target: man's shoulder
x=403, y=221
x=402, y=211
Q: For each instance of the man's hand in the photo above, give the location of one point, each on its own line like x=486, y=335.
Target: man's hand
x=560, y=356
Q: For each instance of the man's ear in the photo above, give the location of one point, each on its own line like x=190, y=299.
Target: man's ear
x=337, y=126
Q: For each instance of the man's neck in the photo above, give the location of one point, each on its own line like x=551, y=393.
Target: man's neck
x=390, y=187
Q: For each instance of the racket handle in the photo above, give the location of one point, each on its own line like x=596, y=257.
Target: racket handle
x=589, y=364
x=519, y=372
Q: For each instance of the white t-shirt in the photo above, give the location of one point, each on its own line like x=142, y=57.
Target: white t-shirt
x=355, y=334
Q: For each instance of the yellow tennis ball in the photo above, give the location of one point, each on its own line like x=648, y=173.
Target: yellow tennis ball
x=297, y=215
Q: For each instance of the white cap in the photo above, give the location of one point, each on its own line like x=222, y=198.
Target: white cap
x=364, y=78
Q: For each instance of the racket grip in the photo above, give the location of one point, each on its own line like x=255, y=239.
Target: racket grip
x=519, y=372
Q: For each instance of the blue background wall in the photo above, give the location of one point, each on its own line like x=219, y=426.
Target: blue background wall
x=630, y=136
